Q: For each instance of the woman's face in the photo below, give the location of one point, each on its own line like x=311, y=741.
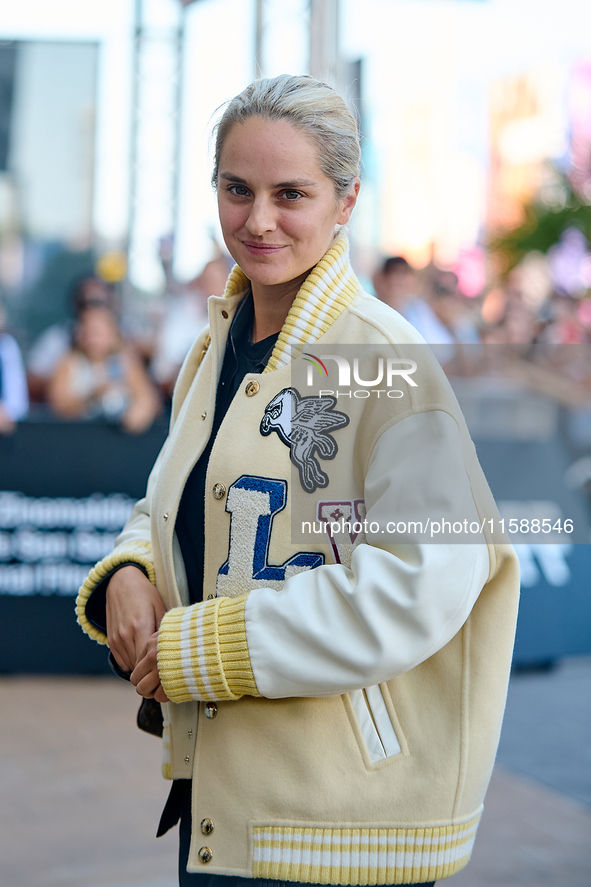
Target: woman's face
x=277, y=208
x=97, y=335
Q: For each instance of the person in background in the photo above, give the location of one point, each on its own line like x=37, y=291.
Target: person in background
x=437, y=313
x=395, y=283
x=56, y=340
x=434, y=314
x=564, y=325
x=442, y=319
x=14, y=396
x=102, y=377
x=184, y=316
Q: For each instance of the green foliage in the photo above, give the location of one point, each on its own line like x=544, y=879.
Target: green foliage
x=544, y=225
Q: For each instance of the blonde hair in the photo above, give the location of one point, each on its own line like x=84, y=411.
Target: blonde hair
x=308, y=104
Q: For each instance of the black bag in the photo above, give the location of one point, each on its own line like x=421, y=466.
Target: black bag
x=149, y=717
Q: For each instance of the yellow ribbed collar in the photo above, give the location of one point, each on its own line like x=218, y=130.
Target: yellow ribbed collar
x=328, y=289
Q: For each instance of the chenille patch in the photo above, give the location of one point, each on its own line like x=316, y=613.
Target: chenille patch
x=344, y=525
x=253, y=502
x=304, y=424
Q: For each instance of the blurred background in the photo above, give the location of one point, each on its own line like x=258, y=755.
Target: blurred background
x=474, y=221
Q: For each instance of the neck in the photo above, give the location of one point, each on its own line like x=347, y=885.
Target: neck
x=271, y=306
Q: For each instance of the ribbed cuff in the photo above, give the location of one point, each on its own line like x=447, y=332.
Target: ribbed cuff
x=203, y=652
x=140, y=553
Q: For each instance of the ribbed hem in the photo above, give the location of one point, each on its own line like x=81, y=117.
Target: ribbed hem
x=203, y=652
x=362, y=855
x=139, y=553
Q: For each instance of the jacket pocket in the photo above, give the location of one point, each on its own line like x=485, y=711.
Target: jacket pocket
x=381, y=738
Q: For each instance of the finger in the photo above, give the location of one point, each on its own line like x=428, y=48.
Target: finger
x=160, y=695
x=149, y=650
x=147, y=663
x=121, y=654
x=141, y=644
x=143, y=668
x=122, y=648
x=148, y=686
x=143, y=632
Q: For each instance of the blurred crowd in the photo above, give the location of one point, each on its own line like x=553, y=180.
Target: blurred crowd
x=95, y=365
x=515, y=331
x=432, y=302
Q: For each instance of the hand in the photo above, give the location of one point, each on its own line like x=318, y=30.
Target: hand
x=134, y=612
x=145, y=677
x=7, y=426
x=137, y=418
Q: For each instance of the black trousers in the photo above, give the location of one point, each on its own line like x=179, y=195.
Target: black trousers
x=187, y=879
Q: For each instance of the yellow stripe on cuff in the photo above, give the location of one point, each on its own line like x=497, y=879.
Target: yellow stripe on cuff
x=234, y=647
x=139, y=553
x=203, y=652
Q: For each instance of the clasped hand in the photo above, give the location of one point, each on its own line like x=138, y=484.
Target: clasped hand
x=134, y=612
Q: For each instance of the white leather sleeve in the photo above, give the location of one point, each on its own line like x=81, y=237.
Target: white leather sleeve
x=335, y=629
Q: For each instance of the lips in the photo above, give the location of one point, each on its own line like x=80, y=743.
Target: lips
x=262, y=249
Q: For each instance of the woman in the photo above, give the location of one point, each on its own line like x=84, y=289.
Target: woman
x=334, y=704
x=101, y=377
x=14, y=396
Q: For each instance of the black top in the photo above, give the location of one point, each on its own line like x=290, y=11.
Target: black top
x=242, y=356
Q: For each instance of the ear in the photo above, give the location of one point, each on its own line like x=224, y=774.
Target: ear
x=347, y=203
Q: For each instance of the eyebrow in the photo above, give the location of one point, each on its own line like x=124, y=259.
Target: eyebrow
x=295, y=183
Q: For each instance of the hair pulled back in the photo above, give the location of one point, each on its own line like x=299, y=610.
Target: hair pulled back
x=308, y=104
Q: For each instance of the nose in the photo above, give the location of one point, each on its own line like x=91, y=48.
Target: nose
x=261, y=218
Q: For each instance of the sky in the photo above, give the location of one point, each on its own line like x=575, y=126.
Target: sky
x=428, y=50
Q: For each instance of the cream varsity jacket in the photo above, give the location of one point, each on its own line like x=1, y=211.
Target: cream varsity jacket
x=337, y=697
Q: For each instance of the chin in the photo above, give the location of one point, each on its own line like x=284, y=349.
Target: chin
x=270, y=280
x=266, y=275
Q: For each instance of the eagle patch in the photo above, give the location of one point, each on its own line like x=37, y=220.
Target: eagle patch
x=304, y=425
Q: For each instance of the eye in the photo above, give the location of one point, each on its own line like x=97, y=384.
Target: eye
x=292, y=195
x=238, y=190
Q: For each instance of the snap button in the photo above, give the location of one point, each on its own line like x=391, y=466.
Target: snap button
x=190, y=733
x=210, y=597
x=205, y=854
x=219, y=491
x=211, y=710
x=187, y=759
x=225, y=314
x=207, y=826
x=165, y=516
x=252, y=388
x=204, y=415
